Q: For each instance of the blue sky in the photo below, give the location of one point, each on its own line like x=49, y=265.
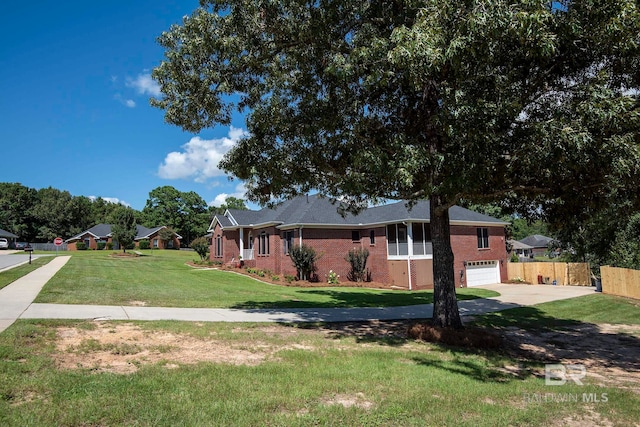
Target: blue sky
x=74, y=104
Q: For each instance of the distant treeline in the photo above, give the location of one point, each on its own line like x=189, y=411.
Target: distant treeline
x=42, y=215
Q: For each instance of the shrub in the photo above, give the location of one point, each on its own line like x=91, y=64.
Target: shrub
x=201, y=246
x=515, y=257
x=304, y=260
x=81, y=246
x=332, y=278
x=358, y=260
x=289, y=278
x=109, y=246
x=275, y=277
x=144, y=244
x=101, y=245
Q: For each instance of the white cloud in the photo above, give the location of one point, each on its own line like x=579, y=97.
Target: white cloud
x=221, y=198
x=126, y=102
x=144, y=84
x=199, y=158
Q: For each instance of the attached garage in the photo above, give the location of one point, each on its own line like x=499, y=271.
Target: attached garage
x=483, y=272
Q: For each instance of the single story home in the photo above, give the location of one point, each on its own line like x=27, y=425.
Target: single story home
x=398, y=240
x=8, y=235
x=101, y=233
x=523, y=250
x=539, y=243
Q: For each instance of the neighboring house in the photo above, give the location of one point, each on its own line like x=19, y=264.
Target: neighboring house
x=398, y=240
x=523, y=250
x=102, y=233
x=8, y=235
x=539, y=244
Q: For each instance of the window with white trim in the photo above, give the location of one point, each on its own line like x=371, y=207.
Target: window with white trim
x=421, y=234
x=288, y=241
x=263, y=244
x=483, y=237
x=218, y=246
x=397, y=244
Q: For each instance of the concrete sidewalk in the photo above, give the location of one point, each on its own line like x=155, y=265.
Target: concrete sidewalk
x=510, y=296
x=16, y=297
x=16, y=302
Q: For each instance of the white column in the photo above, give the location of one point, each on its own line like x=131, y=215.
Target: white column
x=242, y=242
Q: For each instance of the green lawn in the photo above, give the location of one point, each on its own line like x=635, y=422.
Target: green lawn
x=183, y=373
x=310, y=375
x=595, y=308
x=9, y=276
x=161, y=278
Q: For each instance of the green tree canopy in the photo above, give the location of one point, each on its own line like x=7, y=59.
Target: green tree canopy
x=534, y=103
x=185, y=212
x=123, y=228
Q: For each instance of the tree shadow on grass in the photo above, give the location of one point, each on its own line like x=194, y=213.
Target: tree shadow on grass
x=531, y=339
x=347, y=299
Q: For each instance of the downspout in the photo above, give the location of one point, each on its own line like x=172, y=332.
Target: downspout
x=409, y=251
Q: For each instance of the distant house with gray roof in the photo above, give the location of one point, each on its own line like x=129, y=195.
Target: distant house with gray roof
x=100, y=234
x=398, y=240
x=539, y=243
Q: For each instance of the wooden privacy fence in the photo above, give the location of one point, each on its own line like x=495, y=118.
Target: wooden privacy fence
x=577, y=274
x=620, y=281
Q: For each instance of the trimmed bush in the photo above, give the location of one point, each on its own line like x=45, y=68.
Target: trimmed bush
x=81, y=246
x=109, y=246
x=358, y=260
x=144, y=244
x=304, y=260
x=101, y=245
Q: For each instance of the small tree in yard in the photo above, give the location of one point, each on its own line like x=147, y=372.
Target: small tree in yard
x=304, y=259
x=166, y=234
x=201, y=246
x=124, y=229
x=358, y=260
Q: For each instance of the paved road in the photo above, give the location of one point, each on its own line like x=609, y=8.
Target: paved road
x=16, y=302
x=14, y=259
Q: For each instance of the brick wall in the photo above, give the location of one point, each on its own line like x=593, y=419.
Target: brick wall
x=464, y=241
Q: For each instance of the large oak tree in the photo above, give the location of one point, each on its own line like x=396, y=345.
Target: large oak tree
x=533, y=103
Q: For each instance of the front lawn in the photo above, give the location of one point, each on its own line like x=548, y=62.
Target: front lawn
x=364, y=374
x=13, y=274
x=162, y=278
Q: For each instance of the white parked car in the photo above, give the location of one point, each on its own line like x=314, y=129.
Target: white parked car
x=4, y=244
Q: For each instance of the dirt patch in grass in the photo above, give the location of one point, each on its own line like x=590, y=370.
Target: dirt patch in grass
x=469, y=337
x=124, y=348
x=608, y=352
x=357, y=400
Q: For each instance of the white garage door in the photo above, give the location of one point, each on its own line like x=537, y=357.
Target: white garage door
x=482, y=273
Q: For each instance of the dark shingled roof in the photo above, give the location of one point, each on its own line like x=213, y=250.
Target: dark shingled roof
x=5, y=233
x=103, y=231
x=317, y=210
x=537, y=241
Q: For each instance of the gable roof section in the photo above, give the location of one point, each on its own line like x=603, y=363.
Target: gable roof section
x=103, y=231
x=5, y=233
x=537, y=241
x=321, y=212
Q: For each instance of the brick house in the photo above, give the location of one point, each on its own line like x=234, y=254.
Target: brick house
x=102, y=233
x=398, y=240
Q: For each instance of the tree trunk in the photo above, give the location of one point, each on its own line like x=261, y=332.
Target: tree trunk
x=445, y=304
